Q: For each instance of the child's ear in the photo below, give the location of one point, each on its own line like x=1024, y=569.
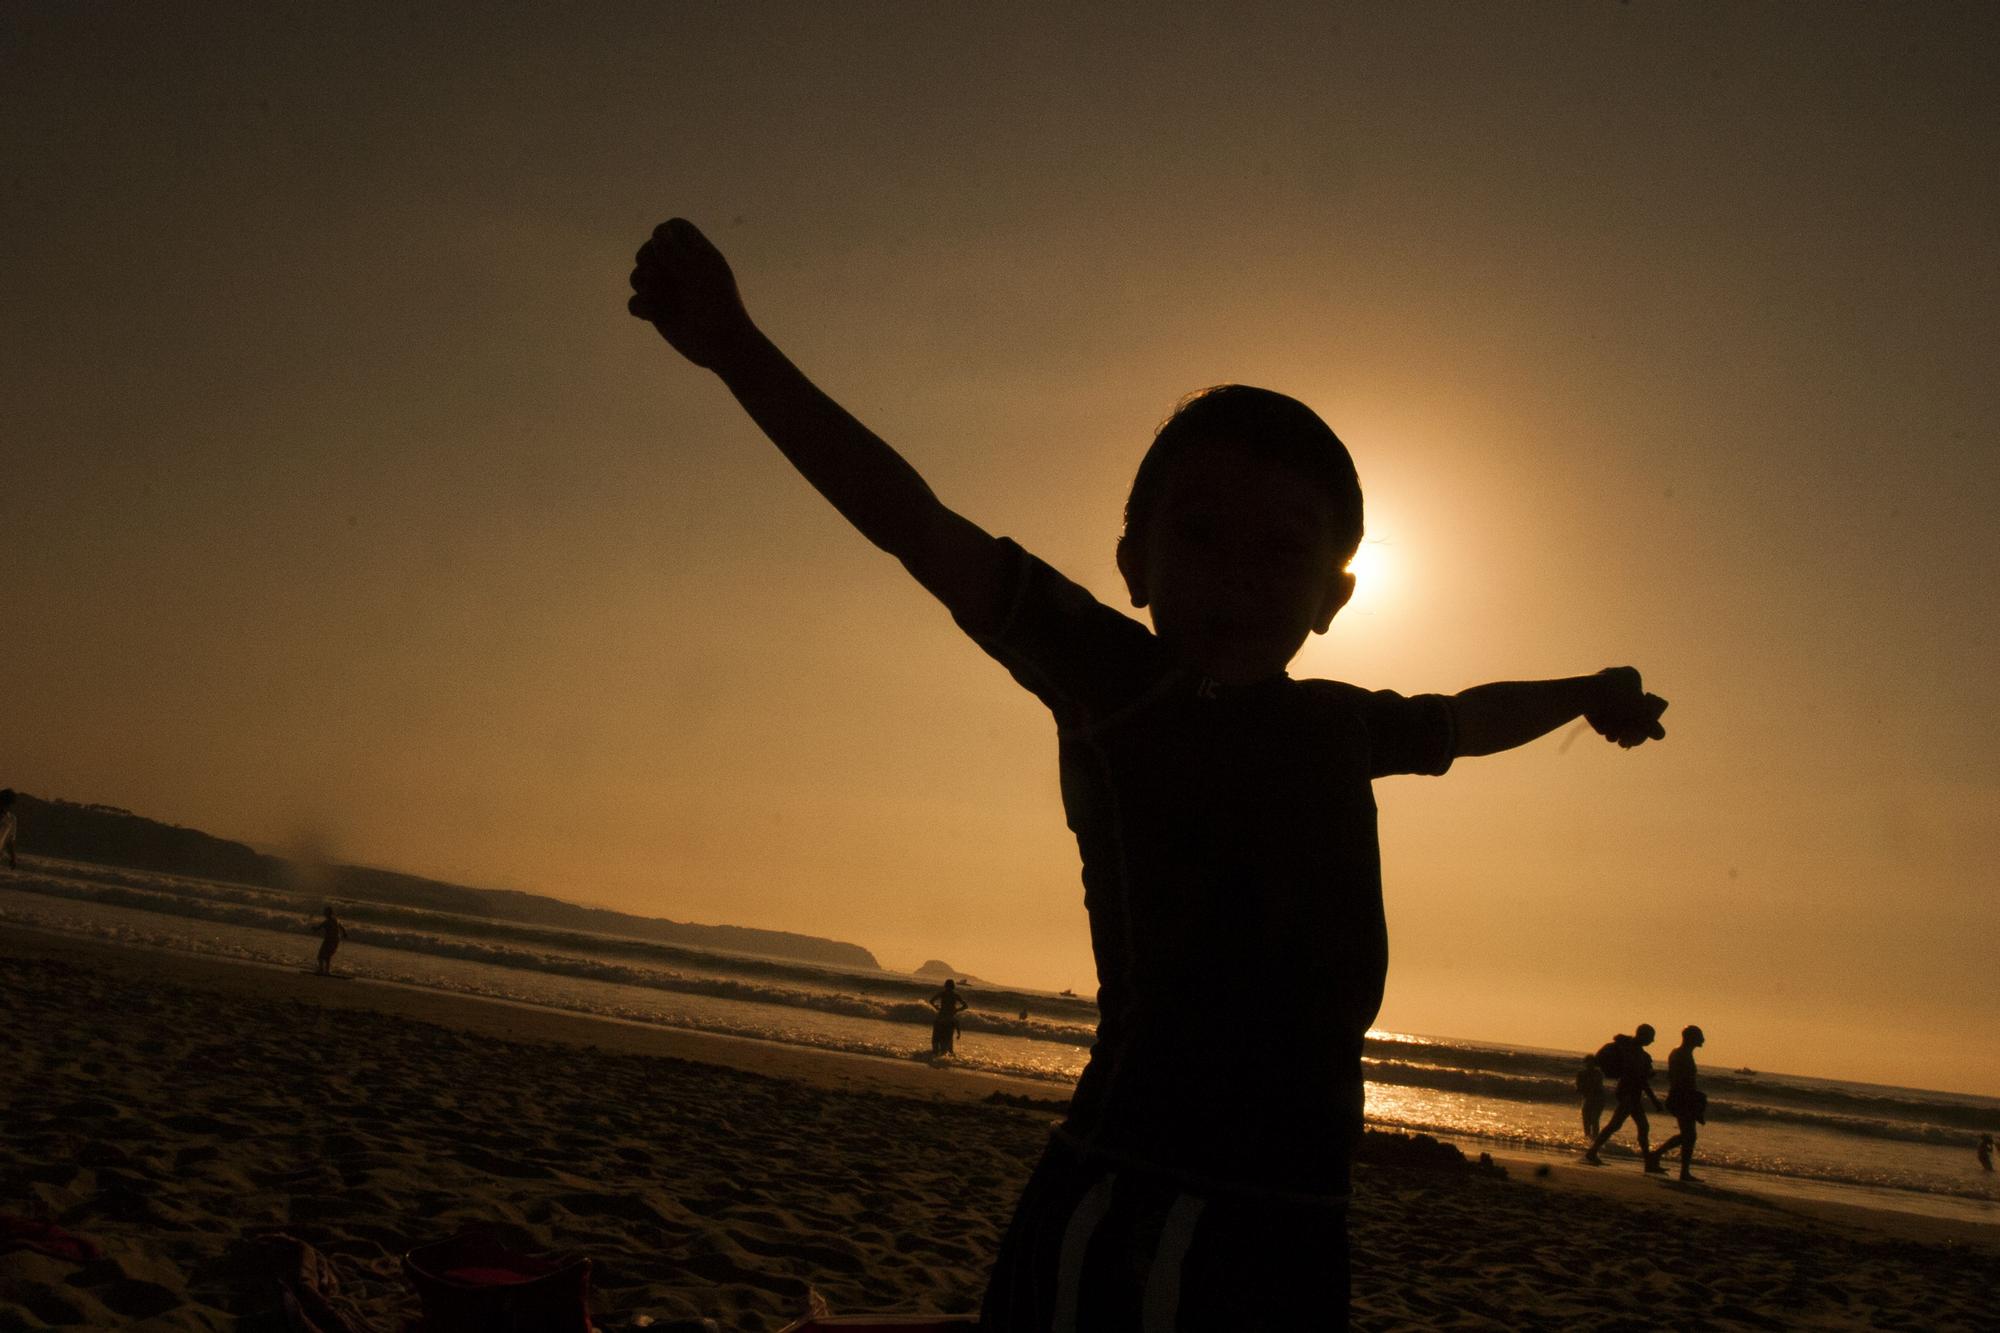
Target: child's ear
x=1337, y=594
x=1133, y=566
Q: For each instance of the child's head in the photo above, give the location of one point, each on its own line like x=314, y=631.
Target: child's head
x=1643, y=1034
x=1261, y=422
x=1242, y=519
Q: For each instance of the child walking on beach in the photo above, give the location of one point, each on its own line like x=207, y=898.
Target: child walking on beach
x=1224, y=813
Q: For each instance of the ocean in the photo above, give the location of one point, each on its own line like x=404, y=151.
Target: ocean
x=1775, y=1133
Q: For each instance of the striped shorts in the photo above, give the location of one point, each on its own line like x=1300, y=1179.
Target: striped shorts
x=1099, y=1247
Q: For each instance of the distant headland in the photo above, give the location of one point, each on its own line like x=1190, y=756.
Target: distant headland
x=937, y=968
x=107, y=835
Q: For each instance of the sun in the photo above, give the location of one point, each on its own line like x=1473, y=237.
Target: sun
x=1372, y=570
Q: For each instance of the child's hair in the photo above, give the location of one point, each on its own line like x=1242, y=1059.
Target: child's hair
x=1271, y=424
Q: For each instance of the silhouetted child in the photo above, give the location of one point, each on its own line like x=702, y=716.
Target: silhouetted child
x=944, y=1028
x=1635, y=1080
x=1686, y=1103
x=1590, y=1083
x=1225, y=816
x=331, y=933
x=7, y=827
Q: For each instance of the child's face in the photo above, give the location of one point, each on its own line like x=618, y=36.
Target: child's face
x=1239, y=563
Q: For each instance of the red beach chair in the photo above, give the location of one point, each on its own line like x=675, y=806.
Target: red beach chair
x=474, y=1284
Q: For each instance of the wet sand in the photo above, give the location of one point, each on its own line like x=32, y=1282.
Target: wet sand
x=174, y=1109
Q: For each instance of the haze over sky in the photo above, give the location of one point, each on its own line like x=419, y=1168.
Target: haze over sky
x=342, y=506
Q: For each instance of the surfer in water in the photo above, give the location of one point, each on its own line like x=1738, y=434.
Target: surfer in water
x=331, y=933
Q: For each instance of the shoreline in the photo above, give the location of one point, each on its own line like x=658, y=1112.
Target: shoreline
x=176, y=1107
x=517, y=1020
x=1918, y=1216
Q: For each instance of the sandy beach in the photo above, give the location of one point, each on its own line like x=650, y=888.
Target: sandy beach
x=177, y=1111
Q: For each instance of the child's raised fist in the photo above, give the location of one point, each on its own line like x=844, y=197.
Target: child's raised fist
x=1624, y=713
x=683, y=287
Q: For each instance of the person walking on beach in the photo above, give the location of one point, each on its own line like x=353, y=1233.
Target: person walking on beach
x=944, y=1029
x=7, y=827
x=1687, y=1104
x=1986, y=1152
x=1224, y=814
x=1590, y=1083
x=1624, y=1058
x=331, y=933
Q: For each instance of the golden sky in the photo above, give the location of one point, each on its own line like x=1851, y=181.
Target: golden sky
x=341, y=503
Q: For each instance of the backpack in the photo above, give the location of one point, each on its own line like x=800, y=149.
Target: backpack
x=1611, y=1058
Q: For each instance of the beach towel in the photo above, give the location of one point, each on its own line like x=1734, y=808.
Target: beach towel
x=27, y=1233
x=474, y=1283
x=818, y=1318
x=306, y=1284
x=883, y=1323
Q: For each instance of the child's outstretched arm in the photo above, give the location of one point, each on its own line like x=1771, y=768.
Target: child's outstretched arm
x=684, y=288
x=1497, y=717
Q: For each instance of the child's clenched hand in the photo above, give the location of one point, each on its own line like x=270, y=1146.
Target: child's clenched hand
x=1624, y=712
x=684, y=288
